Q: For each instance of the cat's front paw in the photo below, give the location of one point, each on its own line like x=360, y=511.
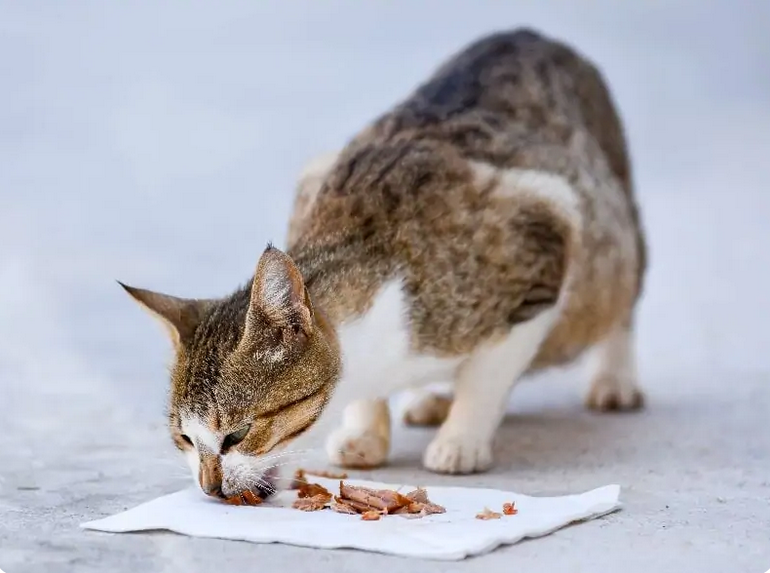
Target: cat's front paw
x=352, y=448
x=458, y=455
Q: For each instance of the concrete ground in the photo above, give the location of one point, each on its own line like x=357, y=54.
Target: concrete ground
x=157, y=144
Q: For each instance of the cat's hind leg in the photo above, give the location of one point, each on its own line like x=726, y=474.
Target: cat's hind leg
x=426, y=408
x=612, y=364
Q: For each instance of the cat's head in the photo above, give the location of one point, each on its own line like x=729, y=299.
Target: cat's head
x=251, y=373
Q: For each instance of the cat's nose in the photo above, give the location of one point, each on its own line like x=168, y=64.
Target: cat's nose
x=210, y=476
x=214, y=490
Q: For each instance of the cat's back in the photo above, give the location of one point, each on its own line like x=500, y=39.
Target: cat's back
x=474, y=190
x=505, y=94
x=500, y=79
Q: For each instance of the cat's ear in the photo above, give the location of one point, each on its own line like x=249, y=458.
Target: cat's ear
x=180, y=316
x=279, y=299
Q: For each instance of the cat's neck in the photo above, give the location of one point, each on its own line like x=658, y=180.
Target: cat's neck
x=343, y=279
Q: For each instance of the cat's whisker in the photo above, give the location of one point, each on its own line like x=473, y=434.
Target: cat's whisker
x=274, y=466
x=288, y=452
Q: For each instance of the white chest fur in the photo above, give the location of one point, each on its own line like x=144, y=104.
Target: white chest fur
x=376, y=349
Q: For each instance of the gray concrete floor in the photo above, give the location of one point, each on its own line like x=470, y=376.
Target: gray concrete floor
x=693, y=468
x=158, y=144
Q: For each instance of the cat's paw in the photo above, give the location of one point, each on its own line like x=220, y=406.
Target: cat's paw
x=352, y=448
x=609, y=394
x=428, y=410
x=458, y=455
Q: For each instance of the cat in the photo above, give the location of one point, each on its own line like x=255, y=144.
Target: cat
x=482, y=229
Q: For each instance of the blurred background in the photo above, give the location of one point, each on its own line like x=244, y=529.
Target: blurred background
x=158, y=143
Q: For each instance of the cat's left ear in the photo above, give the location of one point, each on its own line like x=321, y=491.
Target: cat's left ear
x=279, y=299
x=180, y=316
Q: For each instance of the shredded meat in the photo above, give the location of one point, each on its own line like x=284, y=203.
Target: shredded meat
x=381, y=499
x=313, y=490
x=510, y=509
x=414, y=504
x=314, y=503
x=488, y=514
x=341, y=506
x=420, y=495
x=370, y=503
x=421, y=505
x=244, y=498
x=356, y=506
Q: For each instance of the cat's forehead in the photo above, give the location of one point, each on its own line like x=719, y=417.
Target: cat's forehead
x=214, y=412
x=222, y=390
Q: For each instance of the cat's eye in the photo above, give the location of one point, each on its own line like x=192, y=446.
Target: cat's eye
x=236, y=437
x=186, y=439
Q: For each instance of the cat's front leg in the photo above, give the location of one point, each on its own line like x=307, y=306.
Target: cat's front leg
x=483, y=383
x=363, y=439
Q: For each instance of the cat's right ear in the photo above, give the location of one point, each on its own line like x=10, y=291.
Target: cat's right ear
x=279, y=304
x=180, y=316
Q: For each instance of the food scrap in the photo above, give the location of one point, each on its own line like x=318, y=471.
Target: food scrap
x=370, y=504
x=414, y=504
x=510, y=508
x=312, y=497
x=382, y=499
x=340, y=506
x=419, y=505
x=313, y=490
x=488, y=514
x=315, y=503
x=244, y=498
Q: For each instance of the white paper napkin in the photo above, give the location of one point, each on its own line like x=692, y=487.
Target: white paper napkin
x=454, y=535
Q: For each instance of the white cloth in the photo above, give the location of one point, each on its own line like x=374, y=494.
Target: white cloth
x=454, y=535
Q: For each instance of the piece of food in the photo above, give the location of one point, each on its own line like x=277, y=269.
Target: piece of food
x=244, y=498
x=370, y=503
x=411, y=509
x=340, y=506
x=420, y=495
x=510, y=509
x=420, y=505
x=313, y=490
x=312, y=497
x=415, y=504
x=314, y=503
x=488, y=514
x=381, y=499
x=356, y=506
